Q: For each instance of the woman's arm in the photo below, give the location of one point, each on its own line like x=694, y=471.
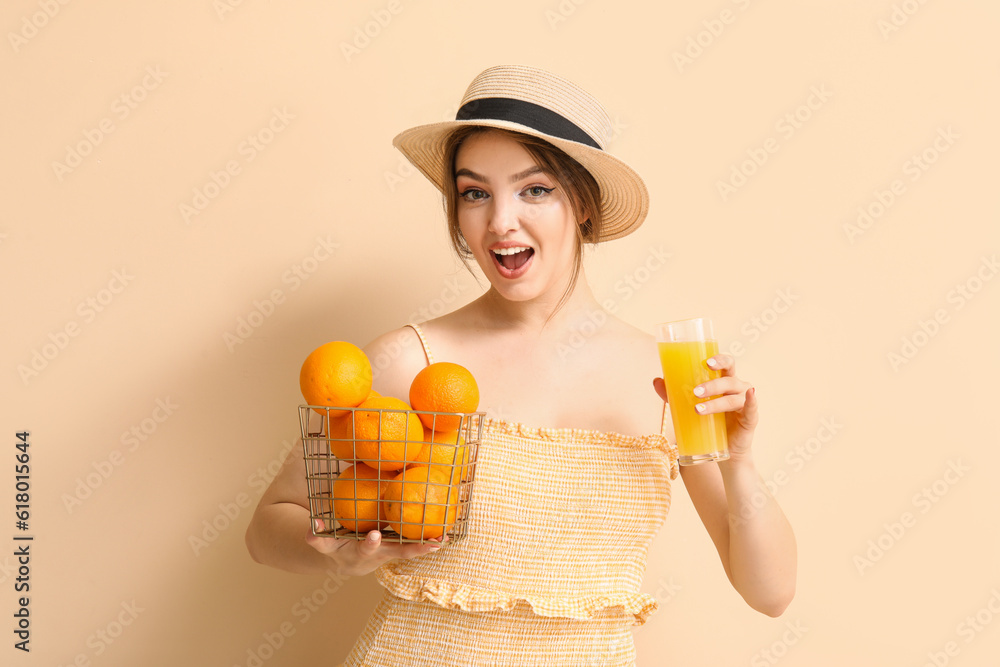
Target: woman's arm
x=754, y=539
x=279, y=533
x=752, y=535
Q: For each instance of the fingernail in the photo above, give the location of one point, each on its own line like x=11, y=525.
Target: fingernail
x=700, y=408
x=699, y=391
x=711, y=362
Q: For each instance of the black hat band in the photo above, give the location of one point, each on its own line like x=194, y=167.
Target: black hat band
x=530, y=114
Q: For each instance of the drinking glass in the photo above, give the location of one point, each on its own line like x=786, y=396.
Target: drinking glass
x=684, y=347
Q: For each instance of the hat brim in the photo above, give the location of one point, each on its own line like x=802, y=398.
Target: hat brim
x=624, y=197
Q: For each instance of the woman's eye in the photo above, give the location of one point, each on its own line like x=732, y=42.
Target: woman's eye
x=539, y=191
x=473, y=194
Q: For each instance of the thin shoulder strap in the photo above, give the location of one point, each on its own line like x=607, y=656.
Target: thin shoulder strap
x=671, y=446
x=423, y=342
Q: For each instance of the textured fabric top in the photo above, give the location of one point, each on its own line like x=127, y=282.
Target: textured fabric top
x=560, y=518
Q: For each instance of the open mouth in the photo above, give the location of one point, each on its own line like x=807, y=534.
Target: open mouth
x=512, y=262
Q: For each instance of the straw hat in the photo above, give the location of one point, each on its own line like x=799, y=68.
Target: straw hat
x=536, y=102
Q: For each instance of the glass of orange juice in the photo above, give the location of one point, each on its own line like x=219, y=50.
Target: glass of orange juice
x=684, y=347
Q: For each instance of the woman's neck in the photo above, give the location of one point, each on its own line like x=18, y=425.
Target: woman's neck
x=539, y=316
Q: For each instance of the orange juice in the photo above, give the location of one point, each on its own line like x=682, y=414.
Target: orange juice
x=699, y=437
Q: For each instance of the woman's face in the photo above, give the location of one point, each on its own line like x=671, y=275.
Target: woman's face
x=516, y=218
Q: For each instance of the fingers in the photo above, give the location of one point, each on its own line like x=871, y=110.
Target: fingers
x=730, y=403
x=370, y=545
x=750, y=407
x=745, y=401
x=372, y=548
x=734, y=394
x=721, y=387
x=410, y=549
x=413, y=550
x=323, y=543
x=722, y=362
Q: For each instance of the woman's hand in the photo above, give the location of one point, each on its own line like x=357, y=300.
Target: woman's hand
x=736, y=398
x=358, y=557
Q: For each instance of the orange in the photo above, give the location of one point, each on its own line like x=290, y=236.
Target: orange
x=444, y=387
x=444, y=450
x=356, y=496
x=386, y=440
x=421, y=503
x=337, y=374
x=341, y=435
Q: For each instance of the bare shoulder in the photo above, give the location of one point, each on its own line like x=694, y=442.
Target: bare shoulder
x=632, y=339
x=396, y=357
x=624, y=363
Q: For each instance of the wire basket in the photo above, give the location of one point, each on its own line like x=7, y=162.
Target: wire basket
x=403, y=499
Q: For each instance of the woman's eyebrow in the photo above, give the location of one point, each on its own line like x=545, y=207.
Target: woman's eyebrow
x=471, y=174
x=513, y=179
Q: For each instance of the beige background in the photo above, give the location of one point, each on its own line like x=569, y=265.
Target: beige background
x=117, y=518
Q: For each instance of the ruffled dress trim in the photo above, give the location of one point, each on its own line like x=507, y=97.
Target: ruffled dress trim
x=469, y=598
x=410, y=580
x=588, y=436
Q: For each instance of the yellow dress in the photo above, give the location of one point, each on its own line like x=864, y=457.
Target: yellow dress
x=550, y=569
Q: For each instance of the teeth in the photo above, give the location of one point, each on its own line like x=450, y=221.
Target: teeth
x=510, y=251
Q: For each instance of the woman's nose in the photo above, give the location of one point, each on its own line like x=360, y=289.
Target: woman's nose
x=504, y=216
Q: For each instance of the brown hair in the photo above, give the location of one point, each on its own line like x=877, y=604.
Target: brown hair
x=579, y=185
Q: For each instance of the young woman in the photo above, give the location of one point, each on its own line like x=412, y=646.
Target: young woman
x=575, y=470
